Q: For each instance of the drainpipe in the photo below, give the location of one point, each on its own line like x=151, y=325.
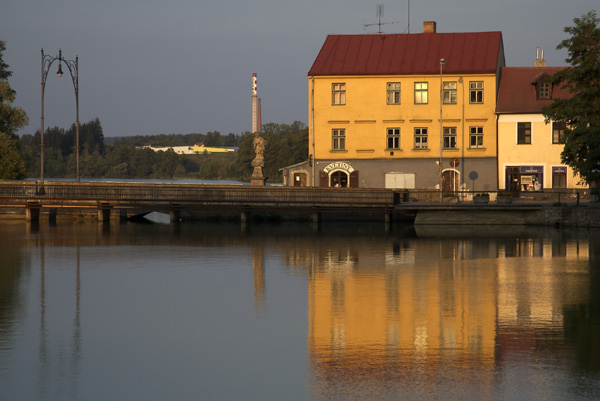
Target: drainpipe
x=497, y=154
x=442, y=62
x=464, y=144
x=312, y=110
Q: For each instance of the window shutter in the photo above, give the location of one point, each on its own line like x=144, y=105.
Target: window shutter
x=354, y=179
x=323, y=179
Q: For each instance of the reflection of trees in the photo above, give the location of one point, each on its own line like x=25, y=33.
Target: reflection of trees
x=582, y=324
x=10, y=274
x=11, y=262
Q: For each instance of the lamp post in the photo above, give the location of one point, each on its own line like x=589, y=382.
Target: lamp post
x=442, y=62
x=73, y=66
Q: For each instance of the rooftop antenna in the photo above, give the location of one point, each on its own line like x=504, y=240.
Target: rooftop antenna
x=379, y=17
x=407, y=30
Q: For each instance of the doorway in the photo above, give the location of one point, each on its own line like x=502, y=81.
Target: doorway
x=299, y=180
x=339, y=179
x=450, y=180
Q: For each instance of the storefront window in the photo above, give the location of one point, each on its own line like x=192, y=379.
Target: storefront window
x=525, y=178
x=532, y=178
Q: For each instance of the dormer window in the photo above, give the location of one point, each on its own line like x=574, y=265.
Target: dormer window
x=545, y=90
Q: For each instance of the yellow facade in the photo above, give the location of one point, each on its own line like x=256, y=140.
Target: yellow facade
x=541, y=153
x=201, y=149
x=375, y=104
x=366, y=116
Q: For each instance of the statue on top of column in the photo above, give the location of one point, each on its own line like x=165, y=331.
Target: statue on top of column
x=259, y=161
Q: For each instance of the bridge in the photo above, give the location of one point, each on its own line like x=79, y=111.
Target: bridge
x=180, y=200
x=132, y=198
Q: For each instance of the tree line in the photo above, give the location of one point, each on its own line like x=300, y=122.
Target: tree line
x=129, y=157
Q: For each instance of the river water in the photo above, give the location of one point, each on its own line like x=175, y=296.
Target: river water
x=206, y=311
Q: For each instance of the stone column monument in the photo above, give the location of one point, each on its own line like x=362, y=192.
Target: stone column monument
x=259, y=161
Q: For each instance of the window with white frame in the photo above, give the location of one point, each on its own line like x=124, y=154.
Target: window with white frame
x=545, y=90
x=476, y=92
x=421, y=94
x=421, y=138
x=393, y=92
x=450, y=92
x=338, y=139
x=476, y=137
x=393, y=138
x=449, y=137
x=558, y=131
x=338, y=93
x=523, y=133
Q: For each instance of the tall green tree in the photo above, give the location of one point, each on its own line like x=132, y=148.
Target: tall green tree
x=12, y=119
x=12, y=165
x=91, y=137
x=581, y=112
x=213, y=139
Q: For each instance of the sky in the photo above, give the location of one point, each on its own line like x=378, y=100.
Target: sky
x=150, y=67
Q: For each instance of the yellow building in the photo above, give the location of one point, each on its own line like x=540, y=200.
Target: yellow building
x=528, y=147
x=376, y=118
x=200, y=148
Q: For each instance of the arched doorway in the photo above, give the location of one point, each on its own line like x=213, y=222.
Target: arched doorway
x=339, y=179
x=338, y=175
x=450, y=180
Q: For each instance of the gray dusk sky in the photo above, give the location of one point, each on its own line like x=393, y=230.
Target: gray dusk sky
x=180, y=66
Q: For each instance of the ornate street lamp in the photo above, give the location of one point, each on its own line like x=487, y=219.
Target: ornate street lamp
x=73, y=66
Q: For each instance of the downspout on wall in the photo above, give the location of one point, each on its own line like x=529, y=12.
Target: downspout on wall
x=462, y=129
x=311, y=157
x=497, y=154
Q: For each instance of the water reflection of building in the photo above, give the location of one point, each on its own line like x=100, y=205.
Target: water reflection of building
x=390, y=310
x=533, y=297
x=392, y=316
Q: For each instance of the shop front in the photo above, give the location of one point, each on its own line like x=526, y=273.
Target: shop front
x=524, y=178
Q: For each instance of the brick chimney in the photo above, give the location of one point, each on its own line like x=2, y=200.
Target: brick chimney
x=539, y=62
x=429, y=26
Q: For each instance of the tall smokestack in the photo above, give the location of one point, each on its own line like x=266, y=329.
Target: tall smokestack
x=254, y=105
x=259, y=116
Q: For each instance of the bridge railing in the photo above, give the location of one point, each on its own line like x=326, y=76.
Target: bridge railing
x=547, y=196
x=22, y=191
x=194, y=193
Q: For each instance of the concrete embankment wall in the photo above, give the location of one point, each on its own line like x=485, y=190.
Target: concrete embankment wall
x=585, y=216
x=566, y=216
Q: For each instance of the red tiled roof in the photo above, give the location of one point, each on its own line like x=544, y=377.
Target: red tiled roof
x=469, y=52
x=517, y=92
